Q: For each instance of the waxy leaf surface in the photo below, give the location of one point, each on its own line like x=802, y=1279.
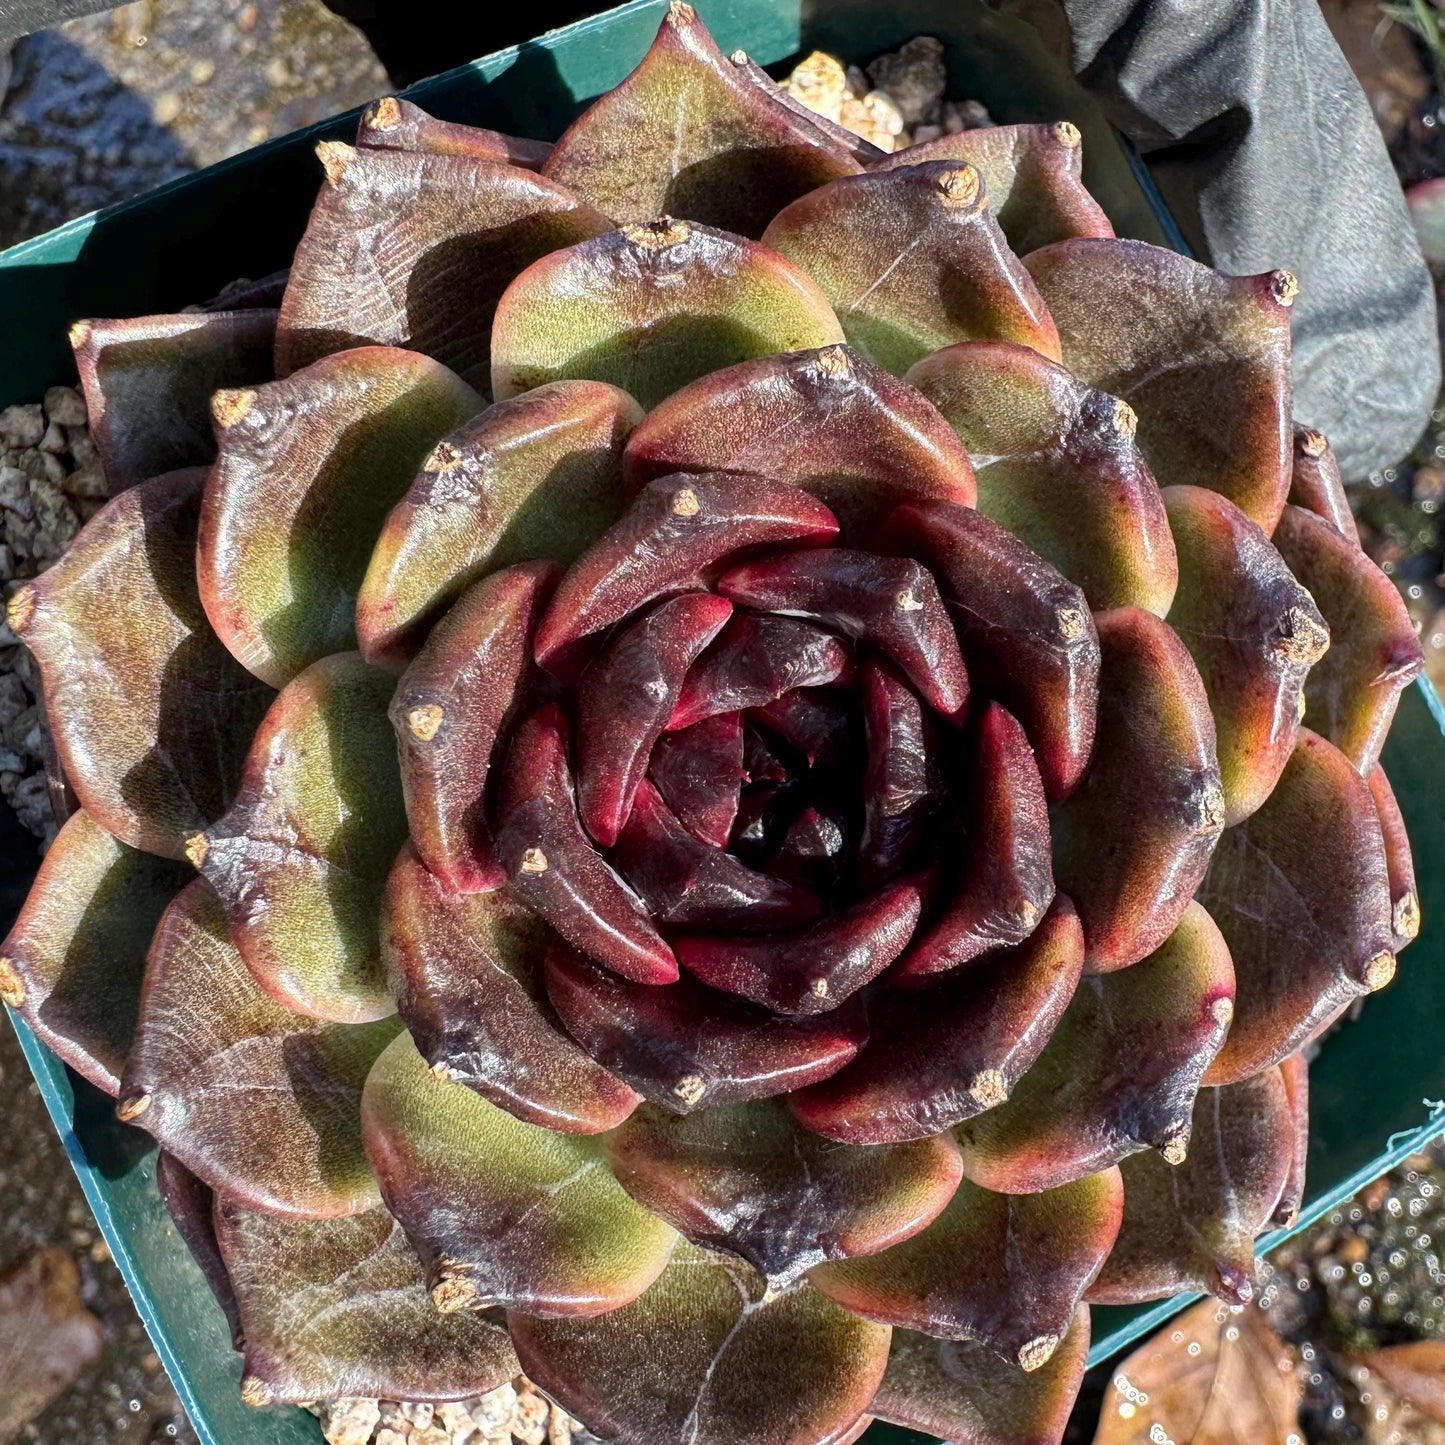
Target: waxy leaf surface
x=816, y=969
x=449, y=709
x=1301, y=892
x=652, y=307
x=827, y=421
x=1005, y=1270
x=943, y=1053
x=699, y=773
x=261, y=1103
x=1057, y=465
x=534, y=477
x=1316, y=485
x=1119, y=1073
x=191, y=1205
x=338, y=1309
x=1352, y=692
x=684, y=1046
x=1399, y=862
x=503, y=1212
x=1295, y=1071
x=912, y=260
x=1006, y=881
x=707, y=1357
x=1253, y=632
x=1032, y=179
x=1152, y=789
x=1203, y=358
x=746, y=1179
x=72, y=964
x=148, y=382
x=309, y=468
x=150, y=715
x=1192, y=1227
x=690, y=133
x=677, y=530
x=392, y=123
x=552, y=867
x=1025, y=628
x=466, y=973
x=964, y=1392
x=413, y=248
x=300, y=859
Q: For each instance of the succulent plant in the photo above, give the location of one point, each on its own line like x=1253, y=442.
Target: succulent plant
x=733, y=747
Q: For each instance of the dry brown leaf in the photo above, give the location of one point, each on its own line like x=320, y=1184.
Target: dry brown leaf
x=1415, y=1372
x=48, y=1338
x=1215, y=1376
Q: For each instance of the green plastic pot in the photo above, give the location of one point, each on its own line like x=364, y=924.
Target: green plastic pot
x=1374, y=1088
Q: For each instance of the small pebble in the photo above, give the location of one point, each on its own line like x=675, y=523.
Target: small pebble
x=913, y=76
x=22, y=426
x=65, y=406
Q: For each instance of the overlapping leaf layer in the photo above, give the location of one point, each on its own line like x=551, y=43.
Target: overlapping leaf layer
x=780, y=852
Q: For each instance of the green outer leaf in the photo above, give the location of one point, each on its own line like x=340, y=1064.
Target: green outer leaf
x=73, y=962
x=503, y=1212
x=704, y=1357
x=150, y=715
x=309, y=468
x=262, y=1104
x=337, y=1308
x=652, y=307
x=300, y=860
x=535, y=477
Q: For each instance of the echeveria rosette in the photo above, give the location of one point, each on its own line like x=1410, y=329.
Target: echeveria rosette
x=732, y=872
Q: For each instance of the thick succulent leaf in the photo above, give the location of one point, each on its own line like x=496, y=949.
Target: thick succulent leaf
x=1203, y=358
x=1005, y=1270
x=903, y=780
x=1032, y=178
x=1301, y=892
x=944, y=1053
x=72, y=964
x=392, y=123
x=1152, y=788
x=1119, y=1073
x=1295, y=1072
x=652, y=307
x=757, y=660
x=449, y=709
x=963, y=1391
x=690, y=133
x=1399, y=862
x=552, y=867
x=815, y=970
x=699, y=773
x=682, y=1045
x=821, y=724
x=261, y=1103
x=149, y=714
x=1351, y=693
x=148, y=383
x=1316, y=485
x=1191, y=1228
x=1007, y=881
x=1057, y=465
x=690, y=884
x=626, y=698
x=710, y=1357
x=299, y=860
x=1253, y=632
x=1024, y=627
x=466, y=972
x=891, y=603
x=912, y=260
x=338, y=1309
x=746, y=1179
x=191, y=1205
x=414, y=248
x=872, y=442
x=309, y=468
x=534, y=477
x=503, y=1212
x=671, y=538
